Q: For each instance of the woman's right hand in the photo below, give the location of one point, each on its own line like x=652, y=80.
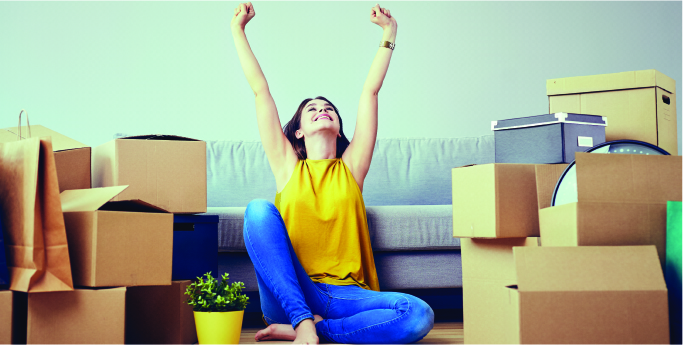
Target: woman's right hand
x=243, y=14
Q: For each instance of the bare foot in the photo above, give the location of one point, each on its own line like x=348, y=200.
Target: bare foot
x=278, y=331
x=305, y=333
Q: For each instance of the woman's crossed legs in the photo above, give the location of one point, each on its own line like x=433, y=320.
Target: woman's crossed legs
x=345, y=314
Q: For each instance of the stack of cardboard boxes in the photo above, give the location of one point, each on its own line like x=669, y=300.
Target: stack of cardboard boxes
x=120, y=237
x=584, y=272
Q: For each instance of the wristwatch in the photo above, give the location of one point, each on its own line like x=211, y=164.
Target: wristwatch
x=387, y=44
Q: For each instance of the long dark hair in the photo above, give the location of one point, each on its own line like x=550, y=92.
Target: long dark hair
x=294, y=124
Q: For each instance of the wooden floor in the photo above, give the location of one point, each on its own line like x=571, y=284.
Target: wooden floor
x=442, y=333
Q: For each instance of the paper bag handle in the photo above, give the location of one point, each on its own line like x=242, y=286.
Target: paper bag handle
x=27, y=124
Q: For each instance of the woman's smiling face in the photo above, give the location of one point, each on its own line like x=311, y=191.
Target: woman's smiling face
x=318, y=115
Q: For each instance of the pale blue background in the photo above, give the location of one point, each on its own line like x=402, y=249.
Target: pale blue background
x=92, y=69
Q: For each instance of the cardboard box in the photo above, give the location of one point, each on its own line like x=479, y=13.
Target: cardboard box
x=606, y=295
x=159, y=315
x=495, y=201
x=547, y=176
x=195, y=246
x=640, y=105
x=123, y=243
x=71, y=157
x=82, y=316
x=621, y=201
x=487, y=268
x=546, y=139
x=164, y=170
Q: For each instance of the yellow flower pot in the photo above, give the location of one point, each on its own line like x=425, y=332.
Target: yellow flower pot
x=219, y=327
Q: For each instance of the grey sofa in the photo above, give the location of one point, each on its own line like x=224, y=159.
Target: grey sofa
x=407, y=194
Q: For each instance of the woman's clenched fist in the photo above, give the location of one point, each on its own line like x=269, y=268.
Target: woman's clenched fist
x=243, y=14
x=382, y=17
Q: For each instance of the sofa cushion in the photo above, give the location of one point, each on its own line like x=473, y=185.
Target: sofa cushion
x=403, y=171
x=419, y=270
x=392, y=228
x=412, y=227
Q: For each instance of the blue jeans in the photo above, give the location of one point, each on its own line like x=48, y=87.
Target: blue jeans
x=351, y=314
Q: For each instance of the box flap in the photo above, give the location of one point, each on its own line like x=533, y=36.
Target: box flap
x=516, y=200
x=131, y=206
x=628, y=178
x=60, y=142
x=612, y=81
x=589, y=268
x=83, y=200
x=159, y=137
x=546, y=180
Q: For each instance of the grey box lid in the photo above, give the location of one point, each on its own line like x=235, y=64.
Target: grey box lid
x=547, y=119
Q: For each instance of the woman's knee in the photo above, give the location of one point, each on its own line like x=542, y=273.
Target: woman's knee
x=258, y=206
x=258, y=209
x=421, y=320
x=261, y=218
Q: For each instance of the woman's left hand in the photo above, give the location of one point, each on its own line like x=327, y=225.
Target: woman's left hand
x=382, y=17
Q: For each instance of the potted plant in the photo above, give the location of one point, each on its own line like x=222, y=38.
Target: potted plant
x=218, y=309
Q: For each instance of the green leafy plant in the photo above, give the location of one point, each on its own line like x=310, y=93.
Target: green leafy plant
x=206, y=294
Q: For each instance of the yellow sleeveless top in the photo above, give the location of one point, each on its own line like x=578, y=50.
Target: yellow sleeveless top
x=324, y=213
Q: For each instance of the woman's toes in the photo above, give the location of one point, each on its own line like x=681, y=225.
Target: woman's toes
x=263, y=334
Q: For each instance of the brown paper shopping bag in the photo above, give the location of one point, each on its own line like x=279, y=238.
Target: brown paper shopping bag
x=31, y=212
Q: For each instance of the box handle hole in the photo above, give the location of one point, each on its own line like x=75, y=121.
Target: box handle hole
x=183, y=226
x=666, y=99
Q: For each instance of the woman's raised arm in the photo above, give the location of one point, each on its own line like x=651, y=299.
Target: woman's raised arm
x=278, y=149
x=359, y=153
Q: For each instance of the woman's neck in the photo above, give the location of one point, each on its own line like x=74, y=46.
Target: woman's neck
x=321, y=147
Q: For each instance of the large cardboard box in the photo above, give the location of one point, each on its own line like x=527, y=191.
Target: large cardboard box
x=497, y=200
x=12, y=317
x=640, y=105
x=82, y=316
x=159, y=315
x=164, y=170
x=546, y=139
x=72, y=158
x=122, y=243
x=621, y=201
x=598, y=295
x=487, y=268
